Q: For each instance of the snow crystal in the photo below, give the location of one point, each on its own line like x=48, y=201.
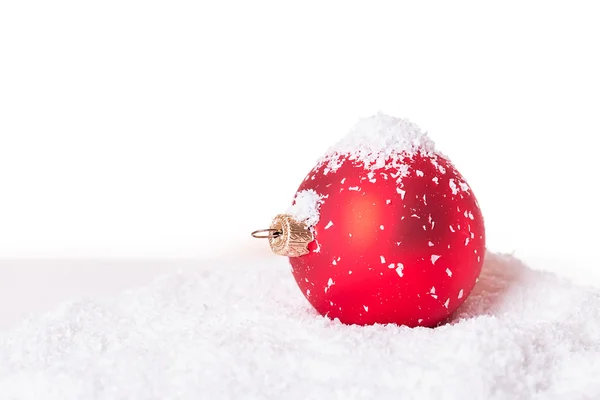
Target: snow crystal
x=318, y=248
x=244, y=330
x=305, y=207
x=329, y=225
x=453, y=186
x=400, y=269
x=434, y=258
x=438, y=166
x=376, y=139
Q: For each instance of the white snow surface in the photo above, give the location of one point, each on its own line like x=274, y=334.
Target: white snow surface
x=379, y=141
x=244, y=331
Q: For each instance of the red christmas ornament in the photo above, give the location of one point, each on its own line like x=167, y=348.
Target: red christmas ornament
x=389, y=231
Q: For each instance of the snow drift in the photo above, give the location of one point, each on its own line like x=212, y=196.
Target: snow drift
x=233, y=331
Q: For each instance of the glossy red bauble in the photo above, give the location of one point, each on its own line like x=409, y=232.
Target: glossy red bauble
x=402, y=242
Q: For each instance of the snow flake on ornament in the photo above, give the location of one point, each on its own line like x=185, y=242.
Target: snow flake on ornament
x=330, y=283
x=438, y=166
x=318, y=248
x=434, y=258
x=401, y=172
x=329, y=225
x=453, y=186
x=400, y=269
x=460, y=294
x=432, y=292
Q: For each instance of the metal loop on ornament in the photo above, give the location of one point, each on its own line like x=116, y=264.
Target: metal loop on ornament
x=270, y=233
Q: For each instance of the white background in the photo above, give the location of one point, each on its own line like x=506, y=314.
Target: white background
x=173, y=129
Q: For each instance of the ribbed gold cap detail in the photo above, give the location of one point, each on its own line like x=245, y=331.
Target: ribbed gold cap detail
x=293, y=236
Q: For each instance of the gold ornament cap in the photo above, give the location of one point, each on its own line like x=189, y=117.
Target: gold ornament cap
x=287, y=236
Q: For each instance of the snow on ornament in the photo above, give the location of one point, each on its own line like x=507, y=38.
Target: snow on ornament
x=383, y=229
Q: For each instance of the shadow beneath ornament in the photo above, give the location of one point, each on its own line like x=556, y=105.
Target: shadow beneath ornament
x=500, y=277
